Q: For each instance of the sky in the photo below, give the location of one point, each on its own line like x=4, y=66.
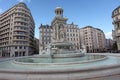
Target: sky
x=96, y=13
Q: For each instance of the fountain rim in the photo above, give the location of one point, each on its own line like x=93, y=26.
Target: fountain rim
x=64, y=63
x=44, y=71
x=39, y=71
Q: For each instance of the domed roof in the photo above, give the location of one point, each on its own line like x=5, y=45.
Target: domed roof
x=58, y=8
x=59, y=12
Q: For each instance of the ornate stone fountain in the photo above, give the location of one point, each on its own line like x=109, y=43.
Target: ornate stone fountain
x=62, y=49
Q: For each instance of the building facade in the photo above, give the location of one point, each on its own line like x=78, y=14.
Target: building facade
x=44, y=36
x=113, y=35
x=93, y=38
x=73, y=35
x=36, y=46
x=109, y=44
x=116, y=23
x=16, y=31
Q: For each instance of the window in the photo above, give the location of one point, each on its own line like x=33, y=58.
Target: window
x=67, y=34
x=15, y=47
x=43, y=43
x=73, y=34
x=67, y=30
x=68, y=39
x=76, y=34
x=24, y=53
x=16, y=54
x=20, y=47
x=76, y=30
x=77, y=39
x=119, y=25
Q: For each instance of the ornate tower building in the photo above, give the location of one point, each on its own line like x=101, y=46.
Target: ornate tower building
x=59, y=33
x=58, y=25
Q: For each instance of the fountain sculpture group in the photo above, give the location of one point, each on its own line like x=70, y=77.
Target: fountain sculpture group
x=57, y=49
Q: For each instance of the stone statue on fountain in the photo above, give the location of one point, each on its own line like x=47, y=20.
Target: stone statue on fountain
x=49, y=48
x=83, y=49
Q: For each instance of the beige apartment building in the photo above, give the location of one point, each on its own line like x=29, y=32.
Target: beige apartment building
x=113, y=35
x=93, y=38
x=16, y=31
x=116, y=23
x=73, y=35
x=44, y=36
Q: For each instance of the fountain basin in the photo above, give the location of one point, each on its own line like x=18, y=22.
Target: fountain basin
x=38, y=60
x=69, y=54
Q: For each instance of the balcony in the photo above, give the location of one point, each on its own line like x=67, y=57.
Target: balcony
x=26, y=13
x=4, y=32
x=4, y=28
x=115, y=21
x=19, y=44
x=20, y=30
x=117, y=35
x=5, y=24
x=20, y=20
x=20, y=16
x=5, y=36
x=4, y=41
x=15, y=34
